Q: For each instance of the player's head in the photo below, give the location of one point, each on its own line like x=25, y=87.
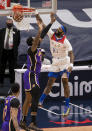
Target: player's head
x=9, y=22
x=29, y=41
x=60, y=31
x=15, y=88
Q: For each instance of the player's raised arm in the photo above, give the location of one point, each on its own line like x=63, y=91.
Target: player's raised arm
x=46, y=28
x=50, y=32
x=52, y=16
x=38, y=18
x=37, y=38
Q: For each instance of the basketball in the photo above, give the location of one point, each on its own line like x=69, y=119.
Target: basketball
x=17, y=13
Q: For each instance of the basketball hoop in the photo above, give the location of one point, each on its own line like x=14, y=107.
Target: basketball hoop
x=21, y=16
x=19, y=11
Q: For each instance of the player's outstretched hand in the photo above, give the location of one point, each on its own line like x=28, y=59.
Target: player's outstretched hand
x=52, y=16
x=38, y=18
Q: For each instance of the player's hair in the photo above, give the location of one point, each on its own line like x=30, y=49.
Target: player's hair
x=29, y=41
x=64, y=29
x=15, y=88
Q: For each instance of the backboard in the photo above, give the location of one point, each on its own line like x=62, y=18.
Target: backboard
x=43, y=6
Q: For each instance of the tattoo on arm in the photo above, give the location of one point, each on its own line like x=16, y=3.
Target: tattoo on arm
x=13, y=115
x=71, y=55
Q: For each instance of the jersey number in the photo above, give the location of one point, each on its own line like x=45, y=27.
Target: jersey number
x=55, y=50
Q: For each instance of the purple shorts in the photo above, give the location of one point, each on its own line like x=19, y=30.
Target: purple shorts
x=5, y=126
x=30, y=80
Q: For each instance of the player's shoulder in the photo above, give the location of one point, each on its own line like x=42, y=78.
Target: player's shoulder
x=66, y=39
x=30, y=52
x=14, y=102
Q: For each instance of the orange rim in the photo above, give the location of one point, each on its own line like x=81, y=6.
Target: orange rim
x=23, y=9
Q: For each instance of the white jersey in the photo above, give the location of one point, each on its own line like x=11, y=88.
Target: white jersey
x=59, y=50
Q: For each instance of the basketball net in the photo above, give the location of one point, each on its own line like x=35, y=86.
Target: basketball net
x=24, y=24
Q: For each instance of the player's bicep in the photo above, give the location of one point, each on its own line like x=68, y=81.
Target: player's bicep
x=13, y=113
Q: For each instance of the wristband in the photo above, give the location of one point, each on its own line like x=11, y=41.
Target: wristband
x=71, y=64
x=36, y=12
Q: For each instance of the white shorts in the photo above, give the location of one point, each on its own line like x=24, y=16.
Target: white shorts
x=60, y=64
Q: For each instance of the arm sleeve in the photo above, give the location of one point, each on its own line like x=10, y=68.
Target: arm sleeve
x=45, y=30
x=14, y=103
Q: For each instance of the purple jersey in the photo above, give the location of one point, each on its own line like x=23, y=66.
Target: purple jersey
x=31, y=76
x=11, y=101
x=34, y=61
x=7, y=108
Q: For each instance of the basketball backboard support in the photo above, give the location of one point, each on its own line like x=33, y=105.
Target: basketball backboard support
x=43, y=6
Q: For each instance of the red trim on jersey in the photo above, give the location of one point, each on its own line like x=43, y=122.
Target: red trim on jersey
x=2, y=5
x=59, y=40
x=8, y=3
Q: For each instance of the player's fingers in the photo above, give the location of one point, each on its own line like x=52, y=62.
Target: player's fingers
x=69, y=69
x=51, y=14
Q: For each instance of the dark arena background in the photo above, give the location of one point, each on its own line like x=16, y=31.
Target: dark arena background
x=76, y=15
